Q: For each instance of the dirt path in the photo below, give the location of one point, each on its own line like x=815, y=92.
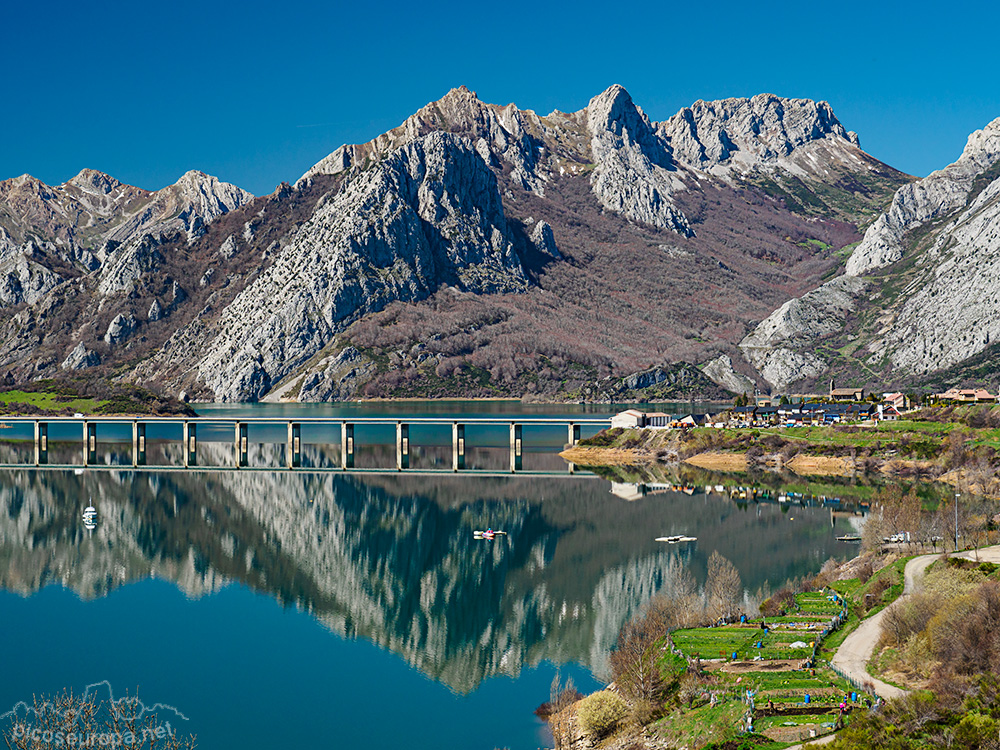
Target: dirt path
x=987, y=554
x=818, y=741
x=856, y=651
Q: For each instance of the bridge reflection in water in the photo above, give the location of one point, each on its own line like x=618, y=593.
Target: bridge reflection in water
x=422, y=444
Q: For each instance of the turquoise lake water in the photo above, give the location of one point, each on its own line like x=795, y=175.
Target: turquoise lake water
x=269, y=609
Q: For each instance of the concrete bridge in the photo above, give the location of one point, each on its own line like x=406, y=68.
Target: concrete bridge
x=46, y=432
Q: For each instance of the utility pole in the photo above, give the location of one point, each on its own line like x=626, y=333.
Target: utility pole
x=956, y=521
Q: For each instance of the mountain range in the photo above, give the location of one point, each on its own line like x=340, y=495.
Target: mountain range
x=485, y=250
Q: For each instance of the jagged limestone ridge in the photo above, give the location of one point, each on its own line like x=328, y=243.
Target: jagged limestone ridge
x=428, y=215
x=947, y=307
x=918, y=203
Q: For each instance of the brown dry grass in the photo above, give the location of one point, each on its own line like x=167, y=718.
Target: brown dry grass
x=583, y=455
x=717, y=461
x=821, y=466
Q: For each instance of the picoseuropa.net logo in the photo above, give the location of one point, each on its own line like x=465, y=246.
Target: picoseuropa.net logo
x=94, y=718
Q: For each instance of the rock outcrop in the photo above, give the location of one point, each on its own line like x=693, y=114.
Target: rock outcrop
x=722, y=372
x=81, y=358
x=22, y=279
x=634, y=173
x=936, y=311
x=427, y=216
x=748, y=133
x=931, y=198
x=120, y=328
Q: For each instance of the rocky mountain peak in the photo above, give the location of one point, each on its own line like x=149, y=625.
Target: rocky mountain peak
x=204, y=197
x=634, y=174
x=983, y=146
x=613, y=109
x=931, y=198
x=749, y=131
x=92, y=180
x=24, y=185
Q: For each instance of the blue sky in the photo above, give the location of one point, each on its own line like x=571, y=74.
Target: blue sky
x=256, y=93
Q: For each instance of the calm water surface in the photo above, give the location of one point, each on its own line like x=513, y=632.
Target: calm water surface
x=275, y=609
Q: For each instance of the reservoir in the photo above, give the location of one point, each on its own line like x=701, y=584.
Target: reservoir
x=358, y=609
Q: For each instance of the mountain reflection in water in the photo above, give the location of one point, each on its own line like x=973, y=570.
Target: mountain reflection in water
x=392, y=558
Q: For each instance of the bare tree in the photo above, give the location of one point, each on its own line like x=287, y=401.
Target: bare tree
x=892, y=512
x=634, y=660
x=71, y=720
x=724, y=587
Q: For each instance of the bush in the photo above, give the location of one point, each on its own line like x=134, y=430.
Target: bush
x=601, y=713
x=778, y=604
x=646, y=712
x=865, y=572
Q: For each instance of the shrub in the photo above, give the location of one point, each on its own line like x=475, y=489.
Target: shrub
x=778, y=604
x=645, y=712
x=865, y=572
x=601, y=713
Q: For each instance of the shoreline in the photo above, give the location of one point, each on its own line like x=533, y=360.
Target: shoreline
x=801, y=464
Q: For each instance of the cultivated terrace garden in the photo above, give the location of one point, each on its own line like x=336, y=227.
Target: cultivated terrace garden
x=739, y=682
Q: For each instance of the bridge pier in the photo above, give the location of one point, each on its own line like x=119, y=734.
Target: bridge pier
x=573, y=434
x=515, y=447
x=41, y=443
x=190, y=444
x=294, y=445
x=346, y=445
x=457, y=446
x=242, y=445
x=89, y=443
x=138, y=443
x=402, y=446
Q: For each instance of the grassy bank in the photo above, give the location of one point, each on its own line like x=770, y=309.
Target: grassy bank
x=89, y=397
x=961, y=447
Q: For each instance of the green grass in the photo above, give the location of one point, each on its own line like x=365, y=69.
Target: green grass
x=710, y=643
x=815, y=243
x=52, y=401
x=699, y=726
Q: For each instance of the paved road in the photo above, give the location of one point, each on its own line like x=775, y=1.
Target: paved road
x=856, y=651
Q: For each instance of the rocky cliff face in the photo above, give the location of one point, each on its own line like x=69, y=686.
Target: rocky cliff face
x=426, y=216
x=919, y=203
x=744, y=134
x=548, y=251
x=94, y=223
x=919, y=297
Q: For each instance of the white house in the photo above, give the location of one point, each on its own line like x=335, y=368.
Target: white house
x=629, y=419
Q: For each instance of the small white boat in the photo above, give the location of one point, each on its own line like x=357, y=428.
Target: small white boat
x=676, y=539
x=488, y=534
x=90, y=518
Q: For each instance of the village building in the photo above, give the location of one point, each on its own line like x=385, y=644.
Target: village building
x=899, y=401
x=658, y=420
x=966, y=395
x=629, y=419
x=632, y=419
x=846, y=394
